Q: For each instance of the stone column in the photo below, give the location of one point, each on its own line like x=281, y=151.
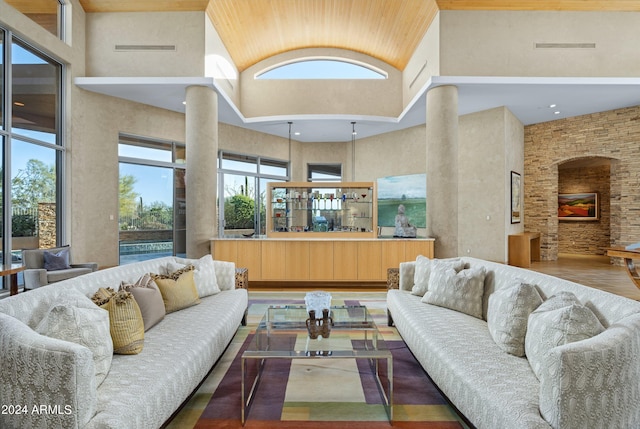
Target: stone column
x=442, y=169
x=201, y=118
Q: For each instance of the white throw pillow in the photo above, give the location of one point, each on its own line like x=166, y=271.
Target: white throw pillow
x=508, y=315
x=461, y=291
x=558, y=321
x=423, y=269
x=80, y=321
x=204, y=274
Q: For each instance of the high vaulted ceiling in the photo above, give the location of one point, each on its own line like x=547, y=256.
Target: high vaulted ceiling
x=389, y=30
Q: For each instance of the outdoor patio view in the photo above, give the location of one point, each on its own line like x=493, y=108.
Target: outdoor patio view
x=152, y=201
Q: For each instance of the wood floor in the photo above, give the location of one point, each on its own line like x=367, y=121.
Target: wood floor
x=594, y=271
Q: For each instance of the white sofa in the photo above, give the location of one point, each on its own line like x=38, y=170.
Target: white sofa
x=593, y=383
x=46, y=382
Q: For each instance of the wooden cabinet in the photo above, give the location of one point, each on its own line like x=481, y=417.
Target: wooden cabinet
x=345, y=260
x=331, y=261
x=321, y=260
x=369, y=260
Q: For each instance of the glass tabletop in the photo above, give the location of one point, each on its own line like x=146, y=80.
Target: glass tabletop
x=289, y=332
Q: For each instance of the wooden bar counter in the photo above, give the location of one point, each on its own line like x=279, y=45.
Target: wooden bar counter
x=319, y=260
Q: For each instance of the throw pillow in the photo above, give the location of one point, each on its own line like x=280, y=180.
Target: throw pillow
x=125, y=320
x=461, y=291
x=423, y=269
x=178, y=289
x=85, y=324
x=508, y=314
x=553, y=324
x=204, y=274
x=56, y=261
x=149, y=299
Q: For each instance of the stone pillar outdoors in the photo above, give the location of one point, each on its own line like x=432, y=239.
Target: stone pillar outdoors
x=46, y=225
x=442, y=169
x=201, y=119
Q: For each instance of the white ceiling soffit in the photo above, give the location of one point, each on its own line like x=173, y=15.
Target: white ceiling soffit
x=529, y=99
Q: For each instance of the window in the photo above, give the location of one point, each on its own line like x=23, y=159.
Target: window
x=242, y=184
x=152, y=214
x=46, y=13
x=324, y=172
x=322, y=68
x=32, y=150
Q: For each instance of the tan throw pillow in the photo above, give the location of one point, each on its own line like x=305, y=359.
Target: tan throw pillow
x=125, y=320
x=178, y=289
x=559, y=320
x=508, y=314
x=461, y=291
x=149, y=299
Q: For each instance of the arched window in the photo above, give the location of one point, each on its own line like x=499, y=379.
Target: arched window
x=322, y=68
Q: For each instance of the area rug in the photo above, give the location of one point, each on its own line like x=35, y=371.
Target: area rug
x=317, y=393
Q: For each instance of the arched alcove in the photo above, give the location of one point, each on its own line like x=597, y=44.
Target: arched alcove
x=585, y=175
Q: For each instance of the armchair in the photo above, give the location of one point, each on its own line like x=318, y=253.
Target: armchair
x=36, y=275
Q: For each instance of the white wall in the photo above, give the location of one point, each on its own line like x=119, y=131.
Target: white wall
x=185, y=30
x=502, y=43
x=491, y=145
x=379, y=97
x=424, y=63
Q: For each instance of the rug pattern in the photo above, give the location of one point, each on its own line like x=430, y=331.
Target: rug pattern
x=315, y=393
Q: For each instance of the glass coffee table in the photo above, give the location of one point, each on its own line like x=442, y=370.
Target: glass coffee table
x=283, y=334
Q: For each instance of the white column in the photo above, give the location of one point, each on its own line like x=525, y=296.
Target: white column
x=201, y=118
x=442, y=169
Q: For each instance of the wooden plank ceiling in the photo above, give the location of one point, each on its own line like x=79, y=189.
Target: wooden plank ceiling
x=389, y=30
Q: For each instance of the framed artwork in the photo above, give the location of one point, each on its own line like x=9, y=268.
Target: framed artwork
x=516, y=197
x=584, y=206
x=410, y=191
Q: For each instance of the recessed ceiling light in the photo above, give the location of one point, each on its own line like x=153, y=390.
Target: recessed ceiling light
x=297, y=133
x=551, y=106
x=184, y=102
x=18, y=103
x=557, y=112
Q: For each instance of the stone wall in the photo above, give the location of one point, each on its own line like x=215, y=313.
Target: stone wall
x=586, y=237
x=612, y=135
x=46, y=225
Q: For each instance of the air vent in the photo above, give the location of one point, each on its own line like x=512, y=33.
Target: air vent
x=565, y=45
x=137, y=48
x=424, y=66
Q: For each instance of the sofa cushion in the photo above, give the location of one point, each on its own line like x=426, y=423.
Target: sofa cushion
x=559, y=320
x=59, y=275
x=508, y=314
x=78, y=320
x=204, y=274
x=54, y=261
x=149, y=299
x=460, y=291
x=423, y=269
x=178, y=289
x=125, y=320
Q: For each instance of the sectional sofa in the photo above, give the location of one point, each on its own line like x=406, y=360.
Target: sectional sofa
x=50, y=382
x=520, y=349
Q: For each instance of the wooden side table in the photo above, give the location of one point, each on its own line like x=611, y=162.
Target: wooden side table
x=524, y=248
x=628, y=256
x=12, y=270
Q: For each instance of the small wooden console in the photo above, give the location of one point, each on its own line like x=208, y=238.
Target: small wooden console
x=524, y=248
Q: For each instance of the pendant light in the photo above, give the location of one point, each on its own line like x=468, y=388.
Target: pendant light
x=353, y=151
